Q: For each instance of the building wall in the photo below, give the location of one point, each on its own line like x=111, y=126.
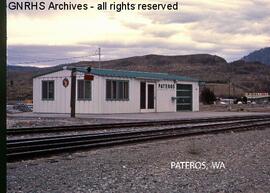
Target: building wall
x=98, y=103
x=61, y=102
x=195, y=96
x=164, y=97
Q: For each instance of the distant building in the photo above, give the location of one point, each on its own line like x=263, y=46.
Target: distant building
x=114, y=91
x=259, y=97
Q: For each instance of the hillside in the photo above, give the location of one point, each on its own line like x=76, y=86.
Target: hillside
x=246, y=76
x=22, y=69
x=262, y=55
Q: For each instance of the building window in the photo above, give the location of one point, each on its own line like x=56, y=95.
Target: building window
x=117, y=90
x=47, y=90
x=84, y=90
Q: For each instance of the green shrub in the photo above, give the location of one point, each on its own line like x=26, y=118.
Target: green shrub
x=207, y=96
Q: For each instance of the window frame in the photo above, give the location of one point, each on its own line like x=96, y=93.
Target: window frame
x=48, y=90
x=84, y=98
x=117, y=83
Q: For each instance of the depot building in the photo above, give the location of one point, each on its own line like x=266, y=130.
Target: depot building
x=93, y=90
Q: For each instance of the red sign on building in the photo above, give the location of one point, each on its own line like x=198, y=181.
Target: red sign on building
x=88, y=77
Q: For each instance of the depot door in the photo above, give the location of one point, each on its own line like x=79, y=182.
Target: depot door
x=184, y=97
x=147, y=97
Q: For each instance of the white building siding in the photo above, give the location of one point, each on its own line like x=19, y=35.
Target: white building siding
x=195, y=96
x=86, y=106
x=61, y=102
x=130, y=106
x=164, y=97
x=98, y=103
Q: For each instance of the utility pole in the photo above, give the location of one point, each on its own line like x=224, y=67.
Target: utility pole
x=73, y=93
x=230, y=87
x=230, y=78
x=230, y=81
x=99, y=54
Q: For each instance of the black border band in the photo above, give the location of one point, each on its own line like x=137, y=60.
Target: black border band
x=3, y=74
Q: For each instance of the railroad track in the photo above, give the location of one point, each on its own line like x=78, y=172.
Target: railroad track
x=43, y=146
x=76, y=128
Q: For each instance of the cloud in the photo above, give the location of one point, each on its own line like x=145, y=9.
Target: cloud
x=226, y=28
x=38, y=55
x=43, y=55
x=256, y=11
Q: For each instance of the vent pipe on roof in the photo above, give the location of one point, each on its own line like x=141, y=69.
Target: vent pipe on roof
x=99, y=54
x=89, y=69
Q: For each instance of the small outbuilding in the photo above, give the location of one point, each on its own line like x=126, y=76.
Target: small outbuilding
x=92, y=90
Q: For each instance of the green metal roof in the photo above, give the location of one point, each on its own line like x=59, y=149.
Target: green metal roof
x=135, y=74
x=127, y=74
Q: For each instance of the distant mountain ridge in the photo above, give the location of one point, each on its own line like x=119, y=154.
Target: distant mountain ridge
x=262, y=55
x=244, y=76
x=12, y=68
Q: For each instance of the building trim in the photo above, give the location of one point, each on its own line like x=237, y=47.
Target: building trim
x=154, y=76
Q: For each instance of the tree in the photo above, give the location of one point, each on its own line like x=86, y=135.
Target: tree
x=207, y=96
x=244, y=99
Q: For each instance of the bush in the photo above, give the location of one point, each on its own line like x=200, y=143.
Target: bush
x=244, y=100
x=207, y=96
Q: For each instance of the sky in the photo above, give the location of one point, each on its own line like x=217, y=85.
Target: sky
x=227, y=28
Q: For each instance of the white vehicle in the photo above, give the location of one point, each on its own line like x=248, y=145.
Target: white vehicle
x=223, y=103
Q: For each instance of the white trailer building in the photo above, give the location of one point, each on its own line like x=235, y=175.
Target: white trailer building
x=113, y=91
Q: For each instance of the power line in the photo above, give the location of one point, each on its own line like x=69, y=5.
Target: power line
x=52, y=60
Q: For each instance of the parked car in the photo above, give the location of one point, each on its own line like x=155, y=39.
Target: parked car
x=23, y=107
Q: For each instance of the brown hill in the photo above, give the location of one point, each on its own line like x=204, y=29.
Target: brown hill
x=245, y=76
x=262, y=55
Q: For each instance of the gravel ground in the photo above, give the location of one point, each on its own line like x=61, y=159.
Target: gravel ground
x=41, y=120
x=22, y=122
x=146, y=167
